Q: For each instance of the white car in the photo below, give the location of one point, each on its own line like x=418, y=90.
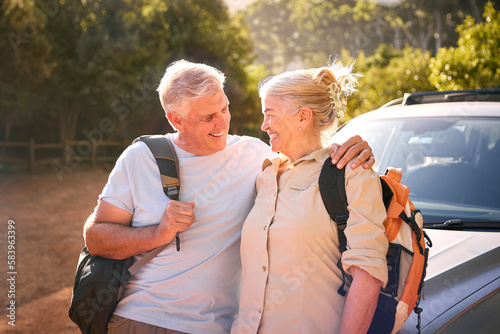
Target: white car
x=448, y=146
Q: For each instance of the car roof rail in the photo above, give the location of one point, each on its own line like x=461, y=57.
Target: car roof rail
x=478, y=95
x=393, y=103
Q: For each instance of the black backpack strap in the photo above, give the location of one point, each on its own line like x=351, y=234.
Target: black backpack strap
x=168, y=165
x=332, y=188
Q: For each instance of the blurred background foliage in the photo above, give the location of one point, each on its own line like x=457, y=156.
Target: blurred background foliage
x=69, y=67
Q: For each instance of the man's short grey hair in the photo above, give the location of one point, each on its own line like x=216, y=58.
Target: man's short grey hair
x=185, y=82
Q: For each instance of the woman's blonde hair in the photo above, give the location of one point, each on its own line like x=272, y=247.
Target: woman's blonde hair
x=324, y=90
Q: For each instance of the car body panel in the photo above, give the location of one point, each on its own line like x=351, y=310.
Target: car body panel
x=464, y=268
x=453, y=248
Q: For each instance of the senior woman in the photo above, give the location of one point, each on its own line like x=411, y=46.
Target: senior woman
x=289, y=245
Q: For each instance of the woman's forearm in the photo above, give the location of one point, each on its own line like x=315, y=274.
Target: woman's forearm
x=361, y=302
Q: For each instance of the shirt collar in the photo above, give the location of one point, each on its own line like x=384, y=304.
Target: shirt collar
x=276, y=160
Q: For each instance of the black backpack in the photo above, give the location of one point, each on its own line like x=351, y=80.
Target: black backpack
x=100, y=282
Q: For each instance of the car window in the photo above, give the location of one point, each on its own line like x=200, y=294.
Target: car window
x=449, y=164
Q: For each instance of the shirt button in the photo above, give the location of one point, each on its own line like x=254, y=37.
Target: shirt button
x=260, y=310
x=264, y=268
x=265, y=228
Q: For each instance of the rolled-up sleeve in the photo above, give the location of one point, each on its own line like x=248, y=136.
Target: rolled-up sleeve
x=117, y=190
x=366, y=241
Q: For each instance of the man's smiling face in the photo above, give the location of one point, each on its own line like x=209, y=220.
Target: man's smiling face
x=204, y=130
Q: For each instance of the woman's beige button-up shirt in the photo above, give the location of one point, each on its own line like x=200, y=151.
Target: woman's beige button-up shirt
x=289, y=248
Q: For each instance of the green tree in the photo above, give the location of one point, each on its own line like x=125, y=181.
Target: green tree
x=80, y=62
x=387, y=75
x=132, y=59
x=203, y=31
x=425, y=24
x=100, y=49
x=23, y=68
x=306, y=32
x=327, y=27
x=475, y=62
x=277, y=40
x=67, y=66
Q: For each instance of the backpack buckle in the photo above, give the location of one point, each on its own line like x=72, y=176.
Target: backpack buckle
x=173, y=193
x=341, y=221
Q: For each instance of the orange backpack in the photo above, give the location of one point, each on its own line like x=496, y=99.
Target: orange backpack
x=407, y=254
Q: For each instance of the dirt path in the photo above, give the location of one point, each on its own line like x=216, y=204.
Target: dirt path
x=49, y=216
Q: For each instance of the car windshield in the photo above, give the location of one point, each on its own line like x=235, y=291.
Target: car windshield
x=451, y=165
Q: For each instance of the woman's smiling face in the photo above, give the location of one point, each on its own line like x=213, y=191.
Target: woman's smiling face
x=281, y=124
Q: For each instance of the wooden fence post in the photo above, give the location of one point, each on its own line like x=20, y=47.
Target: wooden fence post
x=65, y=151
x=94, y=153
x=32, y=155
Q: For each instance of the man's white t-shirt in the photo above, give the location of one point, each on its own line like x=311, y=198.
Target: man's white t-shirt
x=195, y=290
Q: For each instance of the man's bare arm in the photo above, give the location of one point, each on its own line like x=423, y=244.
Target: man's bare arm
x=354, y=147
x=108, y=231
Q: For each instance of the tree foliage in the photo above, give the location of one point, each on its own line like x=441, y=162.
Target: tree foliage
x=387, y=75
x=23, y=70
x=69, y=66
x=295, y=33
x=392, y=47
x=277, y=40
x=102, y=60
x=475, y=61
